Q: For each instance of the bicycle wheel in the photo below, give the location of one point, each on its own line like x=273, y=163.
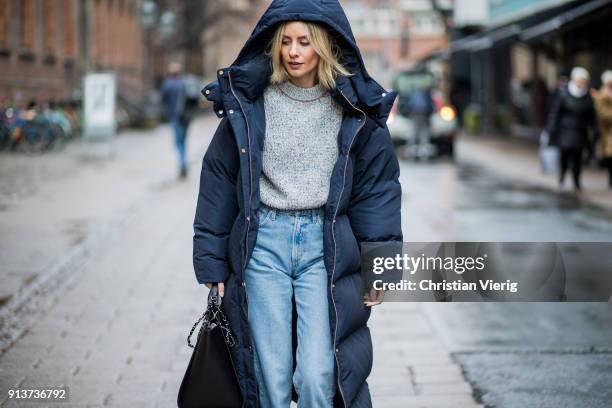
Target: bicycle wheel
x=5, y=136
x=55, y=136
x=34, y=139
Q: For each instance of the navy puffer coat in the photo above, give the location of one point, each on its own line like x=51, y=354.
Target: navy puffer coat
x=363, y=205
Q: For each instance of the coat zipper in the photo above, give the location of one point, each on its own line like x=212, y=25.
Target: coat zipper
x=248, y=217
x=334, y=239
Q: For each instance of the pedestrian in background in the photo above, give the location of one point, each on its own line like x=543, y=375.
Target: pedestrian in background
x=174, y=100
x=603, y=102
x=572, y=124
x=419, y=107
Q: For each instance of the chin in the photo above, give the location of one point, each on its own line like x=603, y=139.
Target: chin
x=293, y=74
x=297, y=75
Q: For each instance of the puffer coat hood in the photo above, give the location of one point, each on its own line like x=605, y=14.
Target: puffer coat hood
x=251, y=69
x=364, y=202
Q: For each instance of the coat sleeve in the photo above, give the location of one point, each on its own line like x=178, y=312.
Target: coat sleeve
x=552, y=122
x=217, y=207
x=375, y=208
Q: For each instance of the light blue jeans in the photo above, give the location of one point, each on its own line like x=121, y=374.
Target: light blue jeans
x=180, y=134
x=288, y=261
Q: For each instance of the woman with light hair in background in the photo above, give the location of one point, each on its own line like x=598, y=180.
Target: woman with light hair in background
x=572, y=119
x=603, y=102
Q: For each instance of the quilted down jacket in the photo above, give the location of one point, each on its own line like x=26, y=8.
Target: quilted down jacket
x=363, y=205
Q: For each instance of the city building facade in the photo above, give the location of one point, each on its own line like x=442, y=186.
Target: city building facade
x=507, y=57
x=46, y=46
x=396, y=34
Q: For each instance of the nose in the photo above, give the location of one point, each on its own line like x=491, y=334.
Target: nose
x=293, y=51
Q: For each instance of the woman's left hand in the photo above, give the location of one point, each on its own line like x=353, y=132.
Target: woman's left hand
x=374, y=297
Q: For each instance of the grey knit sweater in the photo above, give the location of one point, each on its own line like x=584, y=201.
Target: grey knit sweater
x=300, y=147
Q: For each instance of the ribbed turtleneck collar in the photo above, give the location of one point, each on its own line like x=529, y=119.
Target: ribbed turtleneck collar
x=301, y=94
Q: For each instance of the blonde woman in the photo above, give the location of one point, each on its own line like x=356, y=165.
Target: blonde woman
x=300, y=170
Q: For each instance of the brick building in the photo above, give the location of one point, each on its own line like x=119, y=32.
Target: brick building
x=222, y=44
x=47, y=45
x=208, y=35
x=395, y=34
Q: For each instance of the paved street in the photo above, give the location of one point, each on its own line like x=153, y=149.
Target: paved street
x=98, y=290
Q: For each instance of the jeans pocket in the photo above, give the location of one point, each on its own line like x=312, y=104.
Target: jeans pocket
x=264, y=215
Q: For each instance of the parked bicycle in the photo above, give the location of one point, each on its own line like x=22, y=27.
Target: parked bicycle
x=38, y=129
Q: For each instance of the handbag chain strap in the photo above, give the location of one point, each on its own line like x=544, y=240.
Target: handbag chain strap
x=213, y=314
x=224, y=325
x=194, y=327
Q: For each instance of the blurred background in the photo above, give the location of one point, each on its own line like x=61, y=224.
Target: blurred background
x=499, y=59
x=98, y=191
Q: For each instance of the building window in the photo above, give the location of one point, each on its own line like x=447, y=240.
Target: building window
x=26, y=18
x=99, y=50
x=49, y=25
x=5, y=12
x=69, y=29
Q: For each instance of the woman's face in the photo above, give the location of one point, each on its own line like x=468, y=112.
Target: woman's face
x=299, y=58
x=581, y=83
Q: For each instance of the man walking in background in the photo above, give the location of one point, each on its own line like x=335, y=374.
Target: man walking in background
x=174, y=100
x=419, y=108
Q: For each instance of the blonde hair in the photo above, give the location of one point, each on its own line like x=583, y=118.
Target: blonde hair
x=323, y=44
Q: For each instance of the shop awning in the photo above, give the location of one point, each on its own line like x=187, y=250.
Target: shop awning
x=527, y=29
x=489, y=39
x=486, y=39
x=562, y=19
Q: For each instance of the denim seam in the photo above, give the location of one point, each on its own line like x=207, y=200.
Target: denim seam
x=294, y=251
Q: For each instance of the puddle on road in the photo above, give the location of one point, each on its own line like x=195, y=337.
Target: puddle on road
x=491, y=192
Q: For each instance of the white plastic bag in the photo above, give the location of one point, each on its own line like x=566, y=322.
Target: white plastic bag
x=549, y=155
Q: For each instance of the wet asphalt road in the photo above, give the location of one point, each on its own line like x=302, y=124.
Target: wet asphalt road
x=514, y=354
x=445, y=201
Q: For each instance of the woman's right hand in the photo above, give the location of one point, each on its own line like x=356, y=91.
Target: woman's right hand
x=221, y=287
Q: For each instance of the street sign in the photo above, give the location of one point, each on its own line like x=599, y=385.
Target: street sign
x=100, y=90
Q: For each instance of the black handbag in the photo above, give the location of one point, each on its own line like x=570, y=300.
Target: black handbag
x=210, y=380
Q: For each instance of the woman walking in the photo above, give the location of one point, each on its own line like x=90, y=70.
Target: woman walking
x=571, y=118
x=300, y=170
x=603, y=102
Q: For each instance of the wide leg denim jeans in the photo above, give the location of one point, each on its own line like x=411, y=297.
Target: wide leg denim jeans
x=288, y=261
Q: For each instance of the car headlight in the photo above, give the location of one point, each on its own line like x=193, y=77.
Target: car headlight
x=447, y=113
